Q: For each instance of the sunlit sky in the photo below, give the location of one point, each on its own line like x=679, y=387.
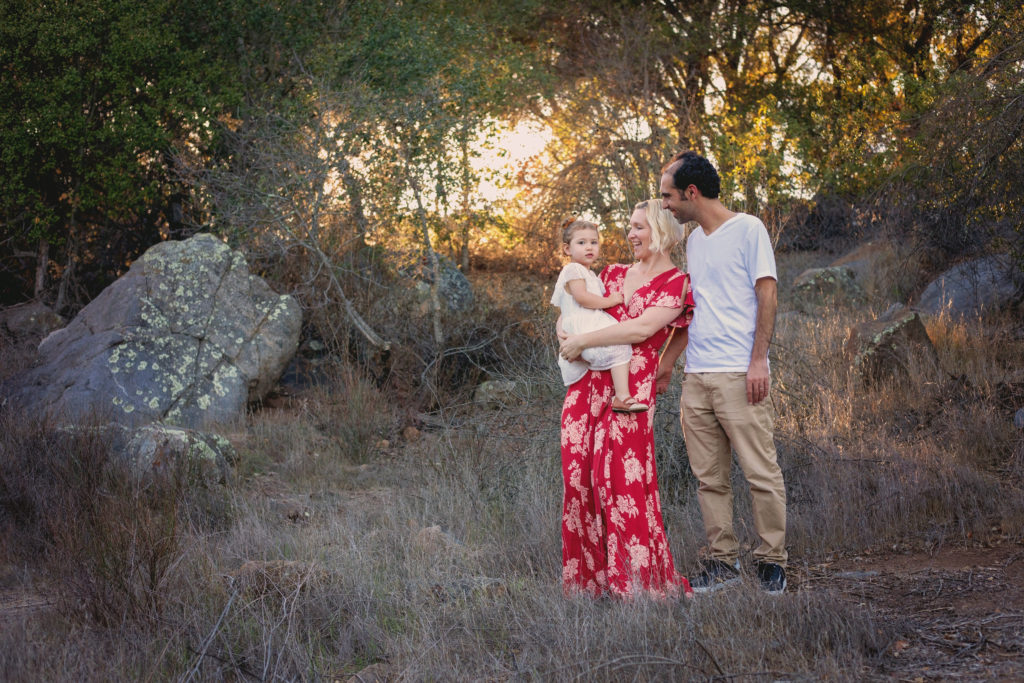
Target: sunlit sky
x=506, y=153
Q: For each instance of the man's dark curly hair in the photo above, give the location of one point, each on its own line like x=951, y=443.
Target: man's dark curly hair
x=690, y=168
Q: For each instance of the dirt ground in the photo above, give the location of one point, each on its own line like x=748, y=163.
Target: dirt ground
x=959, y=612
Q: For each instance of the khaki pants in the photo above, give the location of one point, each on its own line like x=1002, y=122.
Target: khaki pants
x=716, y=420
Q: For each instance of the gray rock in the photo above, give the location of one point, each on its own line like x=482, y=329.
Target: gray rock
x=973, y=287
x=856, y=575
x=188, y=337
x=868, y=260
x=893, y=312
x=154, y=450
x=496, y=393
x=1018, y=419
x=826, y=286
x=32, y=320
x=881, y=348
x=454, y=290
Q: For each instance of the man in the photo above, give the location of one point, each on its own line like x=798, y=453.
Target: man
x=726, y=384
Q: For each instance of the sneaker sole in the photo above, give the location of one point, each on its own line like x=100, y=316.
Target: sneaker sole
x=715, y=587
x=780, y=591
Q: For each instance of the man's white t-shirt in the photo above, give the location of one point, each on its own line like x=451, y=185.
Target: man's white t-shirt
x=723, y=268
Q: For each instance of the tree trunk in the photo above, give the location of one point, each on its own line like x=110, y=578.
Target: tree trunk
x=42, y=265
x=435, y=264
x=355, y=196
x=466, y=217
x=66, y=275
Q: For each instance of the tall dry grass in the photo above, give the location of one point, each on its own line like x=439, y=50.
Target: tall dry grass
x=343, y=544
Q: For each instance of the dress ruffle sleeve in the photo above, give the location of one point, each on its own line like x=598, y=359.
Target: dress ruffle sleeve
x=686, y=315
x=571, y=271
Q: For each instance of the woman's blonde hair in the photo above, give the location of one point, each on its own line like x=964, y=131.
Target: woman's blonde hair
x=666, y=231
x=571, y=225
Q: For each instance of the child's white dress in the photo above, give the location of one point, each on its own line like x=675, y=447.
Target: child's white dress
x=578, y=319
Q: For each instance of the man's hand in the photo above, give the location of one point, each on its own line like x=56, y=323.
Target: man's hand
x=571, y=348
x=663, y=378
x=758, y=381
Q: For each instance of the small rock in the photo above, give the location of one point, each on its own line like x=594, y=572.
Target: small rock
x=285, y=577
x=1018, y=419
x=293, y=510
x=411, y=434
x=471, y=587
x=375, y=673
x=433, y=539
x=856, y=575
x=497, y=393
x=29, y=321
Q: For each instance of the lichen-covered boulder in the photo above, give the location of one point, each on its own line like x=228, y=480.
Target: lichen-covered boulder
x=973, y=287
x=157, y=450
x=826, y=286
x=882, y=348
x=187, y=337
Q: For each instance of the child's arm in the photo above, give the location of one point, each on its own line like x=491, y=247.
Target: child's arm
x=578, y=290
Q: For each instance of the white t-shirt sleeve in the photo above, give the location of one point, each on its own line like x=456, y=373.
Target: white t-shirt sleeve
x=760, y=255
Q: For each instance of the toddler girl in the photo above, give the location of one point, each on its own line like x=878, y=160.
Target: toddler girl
x=580, y=295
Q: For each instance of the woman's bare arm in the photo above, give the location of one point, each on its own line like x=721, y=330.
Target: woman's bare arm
x=630, y=331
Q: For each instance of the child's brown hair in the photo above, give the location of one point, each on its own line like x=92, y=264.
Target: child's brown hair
x=574, y=224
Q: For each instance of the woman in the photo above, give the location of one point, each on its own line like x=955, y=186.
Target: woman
x=613, y=538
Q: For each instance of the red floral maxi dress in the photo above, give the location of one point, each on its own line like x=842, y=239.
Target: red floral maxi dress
x=613, y=538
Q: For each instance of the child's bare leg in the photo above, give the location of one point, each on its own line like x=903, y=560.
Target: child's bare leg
x=623, y=402
x=620, y=380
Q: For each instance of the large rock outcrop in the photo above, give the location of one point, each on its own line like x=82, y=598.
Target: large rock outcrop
x=973, y=287
x=187, y=337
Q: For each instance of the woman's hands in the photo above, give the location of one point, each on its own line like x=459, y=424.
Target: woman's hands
x=571, y=347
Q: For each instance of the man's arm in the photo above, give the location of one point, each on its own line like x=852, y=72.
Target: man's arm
x=766, y=290
x=669, y=355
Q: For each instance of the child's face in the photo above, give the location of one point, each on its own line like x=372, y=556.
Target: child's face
x=583, y=247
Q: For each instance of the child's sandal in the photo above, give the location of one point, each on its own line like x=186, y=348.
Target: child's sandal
x=630, y=405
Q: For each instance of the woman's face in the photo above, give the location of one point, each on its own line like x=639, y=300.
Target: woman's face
x=639, y=234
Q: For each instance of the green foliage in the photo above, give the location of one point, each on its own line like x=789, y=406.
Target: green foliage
x=95, y=93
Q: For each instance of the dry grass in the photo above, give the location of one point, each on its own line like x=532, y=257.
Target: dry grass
x=344, y=544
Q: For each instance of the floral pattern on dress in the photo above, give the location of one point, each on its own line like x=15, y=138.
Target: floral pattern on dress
x=613, y=536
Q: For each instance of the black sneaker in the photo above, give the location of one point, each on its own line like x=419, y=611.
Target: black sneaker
x=772, y=576
x=714, y=574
